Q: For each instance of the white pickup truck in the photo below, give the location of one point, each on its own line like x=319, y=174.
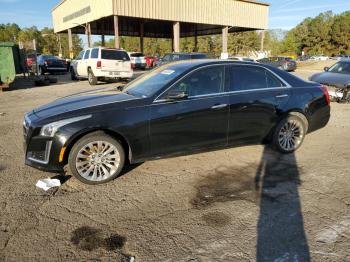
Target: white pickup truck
x=101, y=63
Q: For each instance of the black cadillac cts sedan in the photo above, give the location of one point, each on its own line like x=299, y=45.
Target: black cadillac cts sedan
x=176, y=109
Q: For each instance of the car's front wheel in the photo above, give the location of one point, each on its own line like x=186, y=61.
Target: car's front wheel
x=96, y=158
x=290, y=133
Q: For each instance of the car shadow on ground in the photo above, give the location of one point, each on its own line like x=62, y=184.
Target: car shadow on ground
x=280, y=228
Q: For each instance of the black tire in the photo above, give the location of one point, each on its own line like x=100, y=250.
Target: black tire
x=41, y=71
x=92, y=78
x=73, y=76
x=301, y=123
x=91, y=138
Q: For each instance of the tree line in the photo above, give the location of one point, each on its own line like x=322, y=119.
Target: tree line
x=47, y=42
x=327, y=34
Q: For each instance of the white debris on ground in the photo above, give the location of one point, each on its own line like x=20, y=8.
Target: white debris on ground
x=48, y=183
x=334, y=231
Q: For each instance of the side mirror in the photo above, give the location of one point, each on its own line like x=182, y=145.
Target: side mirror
x=326, y=69
x=177, y=95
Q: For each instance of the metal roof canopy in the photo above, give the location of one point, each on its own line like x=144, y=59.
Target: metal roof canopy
x=197, y=17
x=131, y=26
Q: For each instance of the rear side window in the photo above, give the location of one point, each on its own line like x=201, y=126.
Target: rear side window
x=94, y=53
x=110, y=54
x=87, y=53
x=251, y=78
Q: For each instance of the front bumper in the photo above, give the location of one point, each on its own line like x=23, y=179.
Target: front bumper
x=41, y=152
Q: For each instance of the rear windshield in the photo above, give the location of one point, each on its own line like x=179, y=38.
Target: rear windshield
x=137, y=55
x=109, y=54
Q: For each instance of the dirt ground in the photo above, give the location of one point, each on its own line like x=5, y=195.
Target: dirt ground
x=240, y=204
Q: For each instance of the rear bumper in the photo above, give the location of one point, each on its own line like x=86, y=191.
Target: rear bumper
x=55, y=69
x=112, y=74
x=140, y=65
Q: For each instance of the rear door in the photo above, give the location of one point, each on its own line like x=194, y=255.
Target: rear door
x=82, y=65
x=257, y=96
x=115, y=61
x=196, y=123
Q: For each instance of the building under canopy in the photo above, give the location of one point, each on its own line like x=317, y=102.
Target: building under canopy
x=171, y=19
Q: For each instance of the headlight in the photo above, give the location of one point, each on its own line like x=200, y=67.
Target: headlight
x=50, y=130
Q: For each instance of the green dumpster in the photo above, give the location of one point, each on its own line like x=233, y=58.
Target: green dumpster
x=10, y=63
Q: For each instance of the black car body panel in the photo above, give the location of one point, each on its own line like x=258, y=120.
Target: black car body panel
x=51, y=64
x=151, y=127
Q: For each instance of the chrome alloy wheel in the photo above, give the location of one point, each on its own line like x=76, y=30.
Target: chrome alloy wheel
x=97, y=161
x=291, y=135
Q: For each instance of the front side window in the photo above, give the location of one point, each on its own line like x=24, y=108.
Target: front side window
x=94, y=53
x=80, y=56
x=87, y=54
x=166, y=58
x=252, y=78
x=205, y=81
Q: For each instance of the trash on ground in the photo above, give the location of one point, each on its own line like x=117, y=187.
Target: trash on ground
x=48, y=183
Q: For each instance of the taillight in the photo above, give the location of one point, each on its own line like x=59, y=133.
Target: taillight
x=326, y=94
x=99, y=64
x=132, y=66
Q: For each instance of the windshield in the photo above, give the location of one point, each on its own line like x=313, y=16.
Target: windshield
x=150, y=83
x=340, y=68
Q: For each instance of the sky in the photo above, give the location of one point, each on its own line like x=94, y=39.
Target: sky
x=284, y=14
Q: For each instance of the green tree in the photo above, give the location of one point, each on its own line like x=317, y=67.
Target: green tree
x=340, y=34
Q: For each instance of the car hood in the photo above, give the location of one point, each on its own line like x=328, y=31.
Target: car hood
x=331, y=79
x=82, y=101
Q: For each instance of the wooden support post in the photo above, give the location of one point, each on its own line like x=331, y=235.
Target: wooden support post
x=70, y=44
x=142, y=33
x=225, y=40
x=116, y=32
x=88, y=33
x=176, y=30
x=262, y=40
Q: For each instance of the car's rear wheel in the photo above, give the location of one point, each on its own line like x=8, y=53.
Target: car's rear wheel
x=96, y=159
x=290, y=133
x=92, y=78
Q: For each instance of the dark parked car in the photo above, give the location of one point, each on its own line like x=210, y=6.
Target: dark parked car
x=51, y=64
x=283, y=63
x=337, y=76
x=172, y=57
x=337, y=80
x=176, y=109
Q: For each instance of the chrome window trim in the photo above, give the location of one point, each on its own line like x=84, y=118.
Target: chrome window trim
x=287, y=85
x=47, y=155
x=222, y=94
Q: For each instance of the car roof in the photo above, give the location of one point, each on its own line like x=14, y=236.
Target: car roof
x=195, y=63
x=183, y=53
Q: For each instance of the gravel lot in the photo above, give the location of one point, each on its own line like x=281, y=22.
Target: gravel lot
x=241, y=204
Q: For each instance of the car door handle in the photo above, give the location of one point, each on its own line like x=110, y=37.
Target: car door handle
x=219, y=106
x=282, y=96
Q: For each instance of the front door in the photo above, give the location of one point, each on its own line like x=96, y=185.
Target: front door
x=197, y=122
